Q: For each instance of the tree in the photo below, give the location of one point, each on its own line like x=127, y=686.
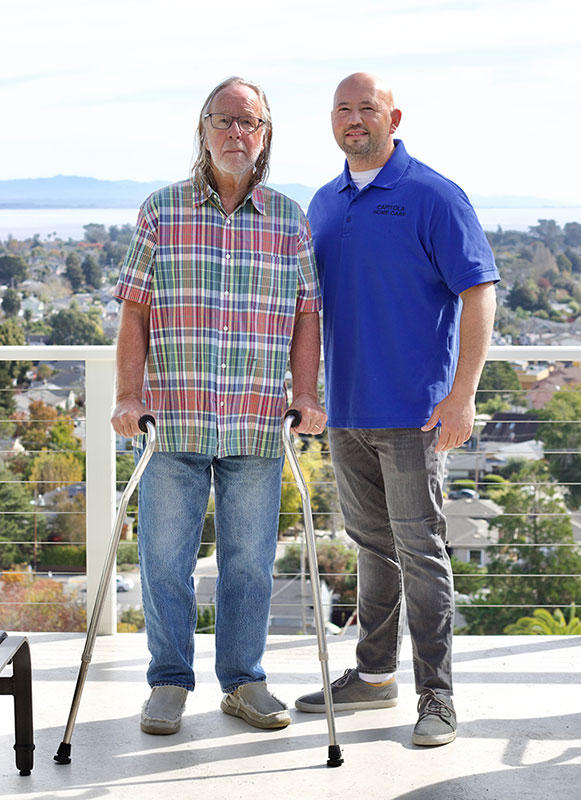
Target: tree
x=528, y=296
x=13, y=270
x=337, y=567
x=53, y=470
x=536, y=540
x=44, y=372
x=34, y=432
x=291, y=505
x=564, y=263
x=17, y=524
x=467, y=585
x=548, y=232
x=95, y=233
x=39, y=604
x=11, y=303
x=73, y=327
x=69, y=521
x=11, y=372
x=563, y=433
x=572, y=231
x=73, y=272
x=92, y=272
x=575, y=259
x=497, y=379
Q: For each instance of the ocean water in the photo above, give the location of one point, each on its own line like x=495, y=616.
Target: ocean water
x=68, y=222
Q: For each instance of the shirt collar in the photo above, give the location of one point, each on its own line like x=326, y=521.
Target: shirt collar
x=201, y=194
x=390, y=174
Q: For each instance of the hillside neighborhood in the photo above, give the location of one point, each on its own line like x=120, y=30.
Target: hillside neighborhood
x=508, y=488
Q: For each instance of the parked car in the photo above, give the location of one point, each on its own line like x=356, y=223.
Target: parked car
x=124, y=584
x=463, y=494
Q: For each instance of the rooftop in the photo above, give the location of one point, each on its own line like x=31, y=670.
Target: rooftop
x=517, y=699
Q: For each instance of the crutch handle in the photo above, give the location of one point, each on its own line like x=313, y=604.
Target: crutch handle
x=296, y=417
x=144, y=420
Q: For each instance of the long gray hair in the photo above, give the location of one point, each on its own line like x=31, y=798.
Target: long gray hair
x=202, y=168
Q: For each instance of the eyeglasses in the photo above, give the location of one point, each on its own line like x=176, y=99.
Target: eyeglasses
x=224, y=121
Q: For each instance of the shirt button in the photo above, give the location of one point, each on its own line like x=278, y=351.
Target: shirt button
x=223, y=366
x=228, y=221
x=225, y=327
x=226, y=293
x=228, y=256
x=221, y=402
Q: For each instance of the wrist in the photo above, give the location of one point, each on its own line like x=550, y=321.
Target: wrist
x=125, y=395
x=307, y=396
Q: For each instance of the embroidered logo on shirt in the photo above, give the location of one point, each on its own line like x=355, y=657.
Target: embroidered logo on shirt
x=390, y=210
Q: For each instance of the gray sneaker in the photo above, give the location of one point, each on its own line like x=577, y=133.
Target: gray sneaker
x=350, y=693
x=437, y=719
x=162, y=713
x=253, y=703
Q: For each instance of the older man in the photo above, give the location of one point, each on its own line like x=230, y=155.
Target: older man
x=408, y=306
x=218, y=288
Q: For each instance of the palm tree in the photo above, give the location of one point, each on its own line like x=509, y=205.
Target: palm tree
x=544, y=623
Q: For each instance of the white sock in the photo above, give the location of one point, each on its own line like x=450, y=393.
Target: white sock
x=380, y=677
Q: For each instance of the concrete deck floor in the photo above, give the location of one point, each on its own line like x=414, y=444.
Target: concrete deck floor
x=518, y=701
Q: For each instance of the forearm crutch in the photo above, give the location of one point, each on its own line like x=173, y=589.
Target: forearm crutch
x=147, y=425
x=291, y=420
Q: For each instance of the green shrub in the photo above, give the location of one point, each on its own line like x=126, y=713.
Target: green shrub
x=206, y=619
x=208, y=533
x=127, y=553
x=463, y=483
x=63, y=555
x=132, y=619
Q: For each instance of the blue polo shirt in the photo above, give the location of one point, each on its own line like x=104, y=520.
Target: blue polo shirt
x=392, y=260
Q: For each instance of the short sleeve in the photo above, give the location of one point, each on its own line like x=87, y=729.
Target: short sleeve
x=308, y=292
x=461, y=252
x=136, y=276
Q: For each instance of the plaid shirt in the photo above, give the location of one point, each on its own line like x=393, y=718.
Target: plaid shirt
x=223, y=293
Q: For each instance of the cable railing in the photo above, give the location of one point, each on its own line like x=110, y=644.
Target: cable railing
x=494, y=552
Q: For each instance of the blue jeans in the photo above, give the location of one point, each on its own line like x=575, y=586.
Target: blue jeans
x=390, y=489
x=173, y=497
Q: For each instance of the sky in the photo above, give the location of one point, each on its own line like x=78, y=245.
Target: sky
x=489, y=89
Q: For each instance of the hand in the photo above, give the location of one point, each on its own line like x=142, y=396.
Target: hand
x=457, y=418
x=126, y=416
x=313, y=417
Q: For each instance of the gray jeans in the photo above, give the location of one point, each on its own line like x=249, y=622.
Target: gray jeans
x=390, y=489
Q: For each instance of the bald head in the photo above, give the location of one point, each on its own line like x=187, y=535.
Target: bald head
x=364, y=120
x=365, y=82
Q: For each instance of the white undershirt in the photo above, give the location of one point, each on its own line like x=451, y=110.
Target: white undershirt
x=361, y=179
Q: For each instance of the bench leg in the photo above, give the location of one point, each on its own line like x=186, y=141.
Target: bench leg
x=23, y=724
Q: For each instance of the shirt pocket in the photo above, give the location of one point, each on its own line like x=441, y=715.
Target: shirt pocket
x=272, y=284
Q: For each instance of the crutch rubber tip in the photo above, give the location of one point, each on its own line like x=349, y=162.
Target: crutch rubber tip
x=335, y=758
x=63, y=754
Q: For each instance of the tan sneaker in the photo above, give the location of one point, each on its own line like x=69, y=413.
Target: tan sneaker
x=162, y=713
x=253, y=703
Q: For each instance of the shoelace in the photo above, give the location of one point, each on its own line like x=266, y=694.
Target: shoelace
x=343, y=679
x=432, y=703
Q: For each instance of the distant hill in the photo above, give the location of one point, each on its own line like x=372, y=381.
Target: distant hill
x=71, y=191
